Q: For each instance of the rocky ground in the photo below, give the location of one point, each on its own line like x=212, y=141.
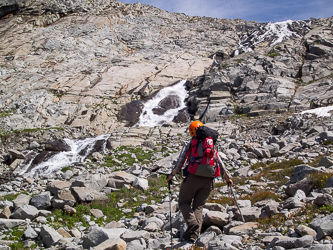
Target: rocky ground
x=286, y=215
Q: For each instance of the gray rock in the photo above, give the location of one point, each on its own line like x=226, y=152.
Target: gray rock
x=323, y=200
x=155, y=220
x=292, y=202
x=136, y=244
x=97, y=213
x=135, y=235
x=41, y=201
x=95, y=237
x=6, y=203
x=329, y=182
x=304, y=230
x=215, y=218
x=326, y=228
x=205, y=238
x=326, y=135
x=49, y=236
x=272, y=207
x=326, y=162
x=216, y=244
x=25, y=212
x=55, y=186
x=21, y=199
x=305, y=241
x=126, y=177
x=10, y=223
x=30, y=233
x=305, y=185
x=234, y=240
x=140, y=183
x=249, y=214
x=301, y=171
x=315, y=224
x=16, y=154
x=96, y=182
x=61, y=203
x=86, y=195
x=321, y=247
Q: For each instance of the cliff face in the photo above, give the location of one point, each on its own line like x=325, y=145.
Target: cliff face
x=77, y=63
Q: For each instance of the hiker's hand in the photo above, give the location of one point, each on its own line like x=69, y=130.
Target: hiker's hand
x=229, y=182
x=169, y=178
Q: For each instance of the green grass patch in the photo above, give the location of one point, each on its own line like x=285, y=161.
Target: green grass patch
x=125, y=155
x=9, y=197
x=273, y=54
x=129, y=199
x=64, y=169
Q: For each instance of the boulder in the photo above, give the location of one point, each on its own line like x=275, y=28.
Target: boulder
x=57, y=145
x=49, y=236
x=244, y=229
x=41, y=201
x=323, y=200
x=140, y=183
x=215, y=218
x=84, y=194
x=91, y=181
x=56, y=186
x=94, y=238
x=21, y=199
x=11, y=223
x=25, y=212
x=135, y=235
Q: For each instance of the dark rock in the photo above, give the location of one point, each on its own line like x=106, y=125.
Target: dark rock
x=58, y=145
x=131, y=112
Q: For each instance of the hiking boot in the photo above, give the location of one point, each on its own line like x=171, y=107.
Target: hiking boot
x=193, y=237
x=189, y=231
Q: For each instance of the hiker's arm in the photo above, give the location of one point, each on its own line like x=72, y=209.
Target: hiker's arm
x=224, y=174
x=180, y=162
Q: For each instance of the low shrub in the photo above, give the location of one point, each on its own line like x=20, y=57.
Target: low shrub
x=318, y=179
x=262, y=195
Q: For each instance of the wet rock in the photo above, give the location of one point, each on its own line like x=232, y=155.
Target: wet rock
x=131, y=112
x=58, y=145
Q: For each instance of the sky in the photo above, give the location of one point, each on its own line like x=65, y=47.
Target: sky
x=249, y=10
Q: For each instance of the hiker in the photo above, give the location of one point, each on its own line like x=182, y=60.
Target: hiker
x=199, y=180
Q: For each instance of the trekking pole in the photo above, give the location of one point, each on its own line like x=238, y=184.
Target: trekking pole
x=233, y=194
x=169, y=186
x=230, y=188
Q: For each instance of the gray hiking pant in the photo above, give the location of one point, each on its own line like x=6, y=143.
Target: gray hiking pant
x=193, y=195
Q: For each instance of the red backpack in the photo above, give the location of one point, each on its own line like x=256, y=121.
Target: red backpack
x=203, y=157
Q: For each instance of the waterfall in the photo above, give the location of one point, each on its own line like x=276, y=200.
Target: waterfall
x=80, y=150
x=151, y=119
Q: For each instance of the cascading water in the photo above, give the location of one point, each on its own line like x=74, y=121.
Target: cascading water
x=80, y=150
x=273, y=32
x=149, y=118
